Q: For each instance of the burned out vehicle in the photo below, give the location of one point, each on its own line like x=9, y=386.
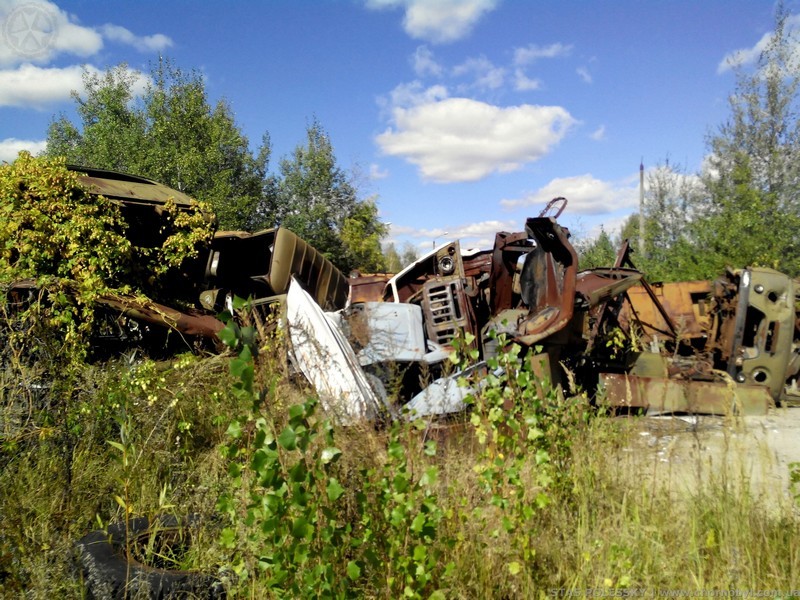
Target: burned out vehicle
x=729, y=346
x=233, y=263
x=377, y=347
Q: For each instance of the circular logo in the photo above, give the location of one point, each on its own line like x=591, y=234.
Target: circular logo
x=30, y=30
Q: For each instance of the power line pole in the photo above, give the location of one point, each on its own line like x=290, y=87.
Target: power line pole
x=641, y=208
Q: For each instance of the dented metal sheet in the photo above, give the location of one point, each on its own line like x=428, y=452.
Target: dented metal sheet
x=327, y=360
x=548, y=281
x=444, y=396
x=663, y=395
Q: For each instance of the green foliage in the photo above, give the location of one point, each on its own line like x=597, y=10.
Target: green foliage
x=517, y=419
x=751, y=214
x=400, y=531
x=318, y=202
x=51, y=226
x=73, y=244
x=297, y=533
x=598, y=252
x=396, y=261
x=171, y=134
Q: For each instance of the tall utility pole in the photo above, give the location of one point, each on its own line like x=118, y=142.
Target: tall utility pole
x=641, y=208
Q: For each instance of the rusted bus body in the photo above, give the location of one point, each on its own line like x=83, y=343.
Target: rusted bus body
x=688, y=303
x=634, y=343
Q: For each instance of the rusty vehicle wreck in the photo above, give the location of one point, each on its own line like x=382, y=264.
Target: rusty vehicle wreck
x=377, y=347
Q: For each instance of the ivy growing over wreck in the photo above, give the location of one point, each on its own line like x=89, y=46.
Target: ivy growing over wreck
x=70, y=246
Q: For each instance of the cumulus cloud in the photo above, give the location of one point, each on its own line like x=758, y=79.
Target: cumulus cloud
x=471, y=235
x=375, y=172
x=586, y=195
x=584, y=74
x=523, y=83
x=146, y=43
x=746, y=56
x=38, y=87
x=412, y=94
x=441, y=21
x=533, y=52
x=11, y=147
x=486, y=75
x=37, y=31
x=459, y=139
x=599, y=133
x=424, y=64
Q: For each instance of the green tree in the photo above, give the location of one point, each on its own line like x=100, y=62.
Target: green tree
x=172, y=134
x=409, y=254
x=392, y=258
x=597, y=252
x=751, y=213
x=318, y=201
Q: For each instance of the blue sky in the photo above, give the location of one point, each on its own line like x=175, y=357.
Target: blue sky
x=464, y=117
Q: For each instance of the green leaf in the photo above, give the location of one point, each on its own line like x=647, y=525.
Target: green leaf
x=334, y=490
x=329, y=455
x=300, y=527
x=234, y=430
x=288, y=439
x=228, y=538
x=514, y=568
x=228, y=335
x=353, y=570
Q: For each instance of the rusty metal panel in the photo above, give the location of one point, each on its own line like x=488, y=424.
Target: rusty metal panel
x=688, y=304
x=683, y=396
x=548, y=280
x=190, y=323
x=368, y=288
x=129, y=188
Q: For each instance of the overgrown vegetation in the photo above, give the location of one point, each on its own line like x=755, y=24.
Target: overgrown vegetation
x=741, y=208
x=72, y=246
x=529, y=495
x=171, y=133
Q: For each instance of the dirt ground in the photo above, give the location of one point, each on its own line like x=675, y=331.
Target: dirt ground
x=689, y=452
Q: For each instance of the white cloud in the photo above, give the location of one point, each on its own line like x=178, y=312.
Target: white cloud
x=585, y=194
x=34, y=86
x=37, y=87
x=11, y=147
x=438, y=21
x=599, y=133
x=487, y=76
x=584, y=74
x=147, y=43
x=375, y=172
x=471, y=235
x=746, y=56
x=459, y=139
x=37, y=31
x=533, y=52
x=424, y=64
x=523, y=83
x=413, y=94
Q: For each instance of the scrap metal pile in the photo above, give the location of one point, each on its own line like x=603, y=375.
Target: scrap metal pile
x=378, y=346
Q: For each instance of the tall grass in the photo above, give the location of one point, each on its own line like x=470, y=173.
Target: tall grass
x=605, y=519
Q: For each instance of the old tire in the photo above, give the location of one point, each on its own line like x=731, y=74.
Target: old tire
x=109, y=575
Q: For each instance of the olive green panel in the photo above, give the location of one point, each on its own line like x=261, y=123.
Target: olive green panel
x=293, y=256
x=767, y=342
x=128, y=188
